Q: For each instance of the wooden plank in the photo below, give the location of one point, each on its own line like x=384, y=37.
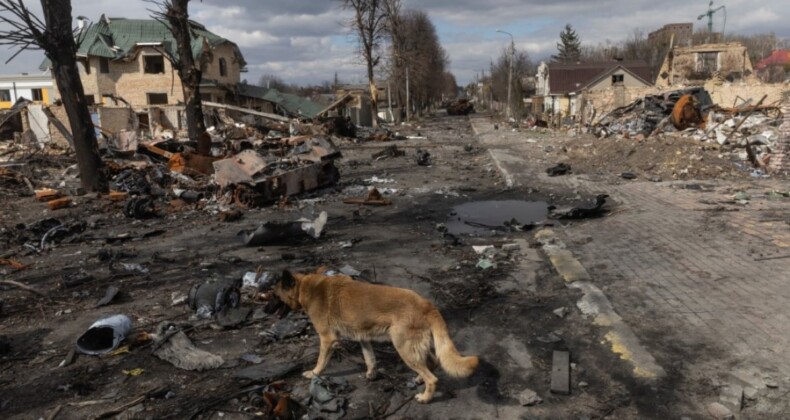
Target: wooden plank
x=247, y=111
x=561, y=372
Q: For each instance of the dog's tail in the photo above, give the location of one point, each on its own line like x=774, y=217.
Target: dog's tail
x=452, y=362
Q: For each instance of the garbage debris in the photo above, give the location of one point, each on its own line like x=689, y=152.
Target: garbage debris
x=104, y=335
x=277, y=233
x=559, y=169
x=172, y=345
x=529, y=397
x=131, y=267
x=259, y=280
x=208, y=299
x=423, y=157
x=325, y=395
x=109, y=296
x=140, y=208
x=389, y=152
x=581, y=212
x=266, y=372
x=290, y=326
x=682, y=108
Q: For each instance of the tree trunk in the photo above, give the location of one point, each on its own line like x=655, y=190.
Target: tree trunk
x=374, y=95
x=62, y=52
x=189, y=72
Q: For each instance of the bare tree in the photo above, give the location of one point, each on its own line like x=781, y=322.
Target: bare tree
x=55, y=36
x=421, y=55
x=174, y=14
x=369, y=24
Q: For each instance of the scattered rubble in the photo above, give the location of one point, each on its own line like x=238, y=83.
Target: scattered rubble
x=749, y=131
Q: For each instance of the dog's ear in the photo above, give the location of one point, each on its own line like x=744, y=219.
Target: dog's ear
x=288, y=280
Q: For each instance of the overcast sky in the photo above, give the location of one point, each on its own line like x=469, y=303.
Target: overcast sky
x=303, y=41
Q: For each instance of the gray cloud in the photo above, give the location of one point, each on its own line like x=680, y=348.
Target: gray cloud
x=304, y=41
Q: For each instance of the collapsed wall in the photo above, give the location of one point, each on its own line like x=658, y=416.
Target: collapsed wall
x=601, y=102
x=780, y=159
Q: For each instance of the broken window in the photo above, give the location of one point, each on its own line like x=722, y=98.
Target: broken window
x=90, y=100
x=38, y=94
x=5, y=95
x=707, y=62
x=618, y=78
x=157, y=98
x=104, y=65
x=223, y=67
x=153, y=64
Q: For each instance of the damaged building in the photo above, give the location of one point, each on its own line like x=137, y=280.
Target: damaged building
x=128, y=58
x=567, y=89
x=695, y=65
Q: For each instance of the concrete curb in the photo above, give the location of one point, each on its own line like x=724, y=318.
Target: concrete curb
x=594, y=304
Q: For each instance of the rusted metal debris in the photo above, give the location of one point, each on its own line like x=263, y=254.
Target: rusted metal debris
x=460, y=107
x=681, y=108
x=374, y=198
x=259, y=180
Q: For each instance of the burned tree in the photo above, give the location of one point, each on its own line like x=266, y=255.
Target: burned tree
x=369, y=24
x=174, y=15
x=56, y=38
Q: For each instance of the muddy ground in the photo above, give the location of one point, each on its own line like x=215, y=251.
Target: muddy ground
x=504, y=313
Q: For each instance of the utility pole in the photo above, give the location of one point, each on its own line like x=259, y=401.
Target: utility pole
x=510, y=73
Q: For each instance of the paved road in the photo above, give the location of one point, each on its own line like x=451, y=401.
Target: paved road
x=686, y=268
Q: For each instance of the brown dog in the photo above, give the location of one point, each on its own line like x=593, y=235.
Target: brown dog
x=339, y=307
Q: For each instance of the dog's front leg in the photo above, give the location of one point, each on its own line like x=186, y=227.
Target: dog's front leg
x=370, y=359
x=327, y=347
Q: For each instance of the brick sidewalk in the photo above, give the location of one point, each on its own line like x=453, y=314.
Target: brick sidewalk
x=686, y=261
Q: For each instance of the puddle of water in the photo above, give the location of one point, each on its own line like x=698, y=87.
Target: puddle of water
x=484, y=217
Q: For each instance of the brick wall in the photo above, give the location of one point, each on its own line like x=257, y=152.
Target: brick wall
x=603, y=101
x=128, y=80
x=60, y=113
x=115, y=119
x=780, y=158
x=725, y=94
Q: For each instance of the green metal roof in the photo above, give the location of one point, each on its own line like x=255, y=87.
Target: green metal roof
x=290, y=103
x=117, y=38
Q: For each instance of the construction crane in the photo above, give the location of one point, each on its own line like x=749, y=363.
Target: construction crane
x=710, y=13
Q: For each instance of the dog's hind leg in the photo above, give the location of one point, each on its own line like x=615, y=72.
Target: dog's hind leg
x=432, y=363
x=370, y=359
x=327, y=347
x=414, y=353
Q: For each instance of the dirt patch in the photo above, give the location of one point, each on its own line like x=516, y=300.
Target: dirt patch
x=662, y=157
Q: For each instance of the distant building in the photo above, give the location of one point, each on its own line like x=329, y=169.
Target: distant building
x=774, y=68
x=682, y=34
x=560, y=86
x=36, y=88
x=128, y=58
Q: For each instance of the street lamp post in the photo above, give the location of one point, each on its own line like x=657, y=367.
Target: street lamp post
x=510, y=72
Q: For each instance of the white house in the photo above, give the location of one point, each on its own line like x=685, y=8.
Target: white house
x=37, y=88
